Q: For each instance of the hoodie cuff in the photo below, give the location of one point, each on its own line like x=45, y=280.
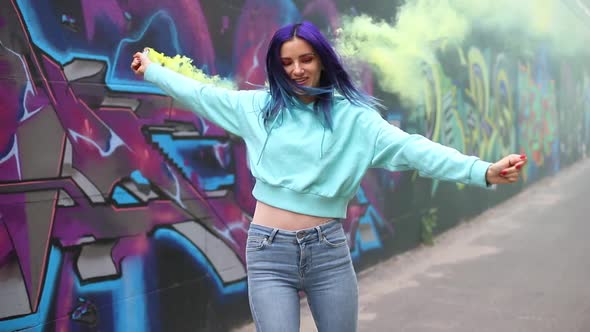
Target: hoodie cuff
x=478, y=174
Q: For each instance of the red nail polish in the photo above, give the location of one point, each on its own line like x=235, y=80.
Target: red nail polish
x=518, y=166
x=522, y=156
x=503, y=173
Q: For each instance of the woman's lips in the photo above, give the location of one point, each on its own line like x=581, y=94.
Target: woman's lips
x=301, y=81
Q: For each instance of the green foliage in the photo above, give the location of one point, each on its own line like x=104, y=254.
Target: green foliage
x=428, y=224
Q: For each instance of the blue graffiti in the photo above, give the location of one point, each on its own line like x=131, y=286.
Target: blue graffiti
x=369, y=220
x=127, y=296
x=68, y=45
x=122, y=197
x=196, y=157
x=36, y=319
x=168, y=235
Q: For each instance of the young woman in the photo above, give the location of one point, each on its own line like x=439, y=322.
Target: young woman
x=311, y=137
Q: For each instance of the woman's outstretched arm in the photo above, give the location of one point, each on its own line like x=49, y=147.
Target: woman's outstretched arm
x=221, y=106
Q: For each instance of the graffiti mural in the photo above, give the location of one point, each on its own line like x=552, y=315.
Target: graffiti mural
x=538, y=119
x=574, y=112
x=470, y=109
x=101, y=174
x=120, y=210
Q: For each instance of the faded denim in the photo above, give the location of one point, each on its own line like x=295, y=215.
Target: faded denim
x=316, y=261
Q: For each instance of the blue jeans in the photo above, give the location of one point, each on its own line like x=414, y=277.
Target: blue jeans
x=316, y=261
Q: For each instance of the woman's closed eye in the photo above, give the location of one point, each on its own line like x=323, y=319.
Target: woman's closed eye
x=306, y=59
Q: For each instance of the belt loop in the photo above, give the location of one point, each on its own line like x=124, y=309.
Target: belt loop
x=319, y=230
x=272, y=235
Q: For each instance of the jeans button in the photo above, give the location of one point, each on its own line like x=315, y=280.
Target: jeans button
x=300, y=235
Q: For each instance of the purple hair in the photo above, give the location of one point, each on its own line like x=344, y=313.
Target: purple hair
x=332, y=78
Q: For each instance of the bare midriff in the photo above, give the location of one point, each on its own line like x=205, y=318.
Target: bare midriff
x=274, y=217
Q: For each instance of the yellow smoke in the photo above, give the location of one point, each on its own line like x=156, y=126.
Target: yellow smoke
x=399, y=50
x=183, y=65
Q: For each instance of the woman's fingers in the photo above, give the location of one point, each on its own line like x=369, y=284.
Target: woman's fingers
x=507, y=169
x=513, y=173
x=135, y=64
x=139, y=63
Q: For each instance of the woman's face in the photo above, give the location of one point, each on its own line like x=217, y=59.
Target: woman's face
x=301, y=63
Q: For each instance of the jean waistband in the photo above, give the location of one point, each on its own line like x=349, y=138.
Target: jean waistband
x=302, y=234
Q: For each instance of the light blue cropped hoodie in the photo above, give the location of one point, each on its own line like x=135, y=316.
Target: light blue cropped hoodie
x=301, y=166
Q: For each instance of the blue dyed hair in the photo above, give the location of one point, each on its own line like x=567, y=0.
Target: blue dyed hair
x=332, y=78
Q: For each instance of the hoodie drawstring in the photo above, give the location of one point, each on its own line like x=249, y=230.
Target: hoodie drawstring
x=267, y=137
x=322, y=144
x=270, y=131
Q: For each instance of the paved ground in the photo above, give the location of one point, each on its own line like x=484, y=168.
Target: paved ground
x=522, y=266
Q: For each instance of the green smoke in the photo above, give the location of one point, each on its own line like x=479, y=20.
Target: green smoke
x=399, y=50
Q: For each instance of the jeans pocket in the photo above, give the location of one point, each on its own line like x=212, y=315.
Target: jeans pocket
x=335, y=239
x=254, y=243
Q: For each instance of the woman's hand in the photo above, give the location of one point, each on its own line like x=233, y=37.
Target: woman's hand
x=506, y=170
x=140, y=63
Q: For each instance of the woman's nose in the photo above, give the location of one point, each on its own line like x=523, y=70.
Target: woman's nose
x=298, y=70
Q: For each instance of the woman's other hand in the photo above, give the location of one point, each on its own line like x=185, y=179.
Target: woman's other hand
x=506, y=170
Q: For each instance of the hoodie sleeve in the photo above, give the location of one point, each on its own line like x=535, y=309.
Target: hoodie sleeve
x=397, y=150
x=219, y=105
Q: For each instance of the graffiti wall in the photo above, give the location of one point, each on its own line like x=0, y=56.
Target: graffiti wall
x=122, y=211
